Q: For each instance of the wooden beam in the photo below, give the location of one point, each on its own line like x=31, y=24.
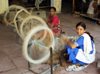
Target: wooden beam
x=73, y=6
x=90, y=17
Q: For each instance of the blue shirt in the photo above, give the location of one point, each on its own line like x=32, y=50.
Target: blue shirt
x=80, y=44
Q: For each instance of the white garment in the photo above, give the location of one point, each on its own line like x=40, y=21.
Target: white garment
x=85, y=56
x=37, y=2
x=91, y=9
x=87, y=41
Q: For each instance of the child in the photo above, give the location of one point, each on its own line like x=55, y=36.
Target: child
x=82, y=52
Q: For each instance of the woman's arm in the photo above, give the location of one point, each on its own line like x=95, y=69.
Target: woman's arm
x=95, y=5
x=70, y=44
x=53, y=22
x=50, y=25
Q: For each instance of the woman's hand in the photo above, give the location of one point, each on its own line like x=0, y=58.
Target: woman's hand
x=70, y=44
x=50, y=25
x=45, y=20
x=64, y=38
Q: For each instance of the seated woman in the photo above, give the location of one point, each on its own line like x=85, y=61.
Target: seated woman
x=82, y=52
x=92, y=10
x=54, y=22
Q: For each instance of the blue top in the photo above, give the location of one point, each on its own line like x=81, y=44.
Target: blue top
x=80, y=44
x=73, y=52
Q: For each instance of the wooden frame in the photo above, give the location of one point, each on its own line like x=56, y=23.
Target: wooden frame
x=81, y=14
x=22, y=19
x=73, y=5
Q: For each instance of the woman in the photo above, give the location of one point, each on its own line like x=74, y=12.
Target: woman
x=54, y=22
x=81, y=52
x=92, y=10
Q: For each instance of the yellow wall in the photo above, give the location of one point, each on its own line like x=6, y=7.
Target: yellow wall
x=57, y=5
x=3, y=6
x=99, y=2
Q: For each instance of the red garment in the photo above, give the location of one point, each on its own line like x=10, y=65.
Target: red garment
x=55, y=21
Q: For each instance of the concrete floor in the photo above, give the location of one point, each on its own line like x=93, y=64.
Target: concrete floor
x=12, y=61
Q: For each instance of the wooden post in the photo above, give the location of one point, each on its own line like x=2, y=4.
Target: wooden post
x=51, y=57
x=73, y=6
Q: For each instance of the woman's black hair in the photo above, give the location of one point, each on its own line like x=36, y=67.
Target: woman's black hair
x=53, y=8
x=81, y=24
x=84, y=26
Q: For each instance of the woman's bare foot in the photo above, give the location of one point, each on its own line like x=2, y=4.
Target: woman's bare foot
x=78, y=64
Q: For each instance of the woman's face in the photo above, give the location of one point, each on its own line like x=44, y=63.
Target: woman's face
x=52, y=12
x=80, y=30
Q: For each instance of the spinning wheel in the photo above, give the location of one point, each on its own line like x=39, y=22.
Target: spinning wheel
x=29, y=23
x=15, y=15
x=34, y=51
x=37, y=37
x=20, y=18
x=10, y=14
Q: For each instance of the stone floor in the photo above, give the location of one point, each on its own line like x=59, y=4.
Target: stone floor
x=12, y=61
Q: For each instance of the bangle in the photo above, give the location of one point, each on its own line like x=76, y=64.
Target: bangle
x=66, y=40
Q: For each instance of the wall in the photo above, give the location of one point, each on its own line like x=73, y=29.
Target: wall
x=52, y=3
x=57, y=4
x=3, y=6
